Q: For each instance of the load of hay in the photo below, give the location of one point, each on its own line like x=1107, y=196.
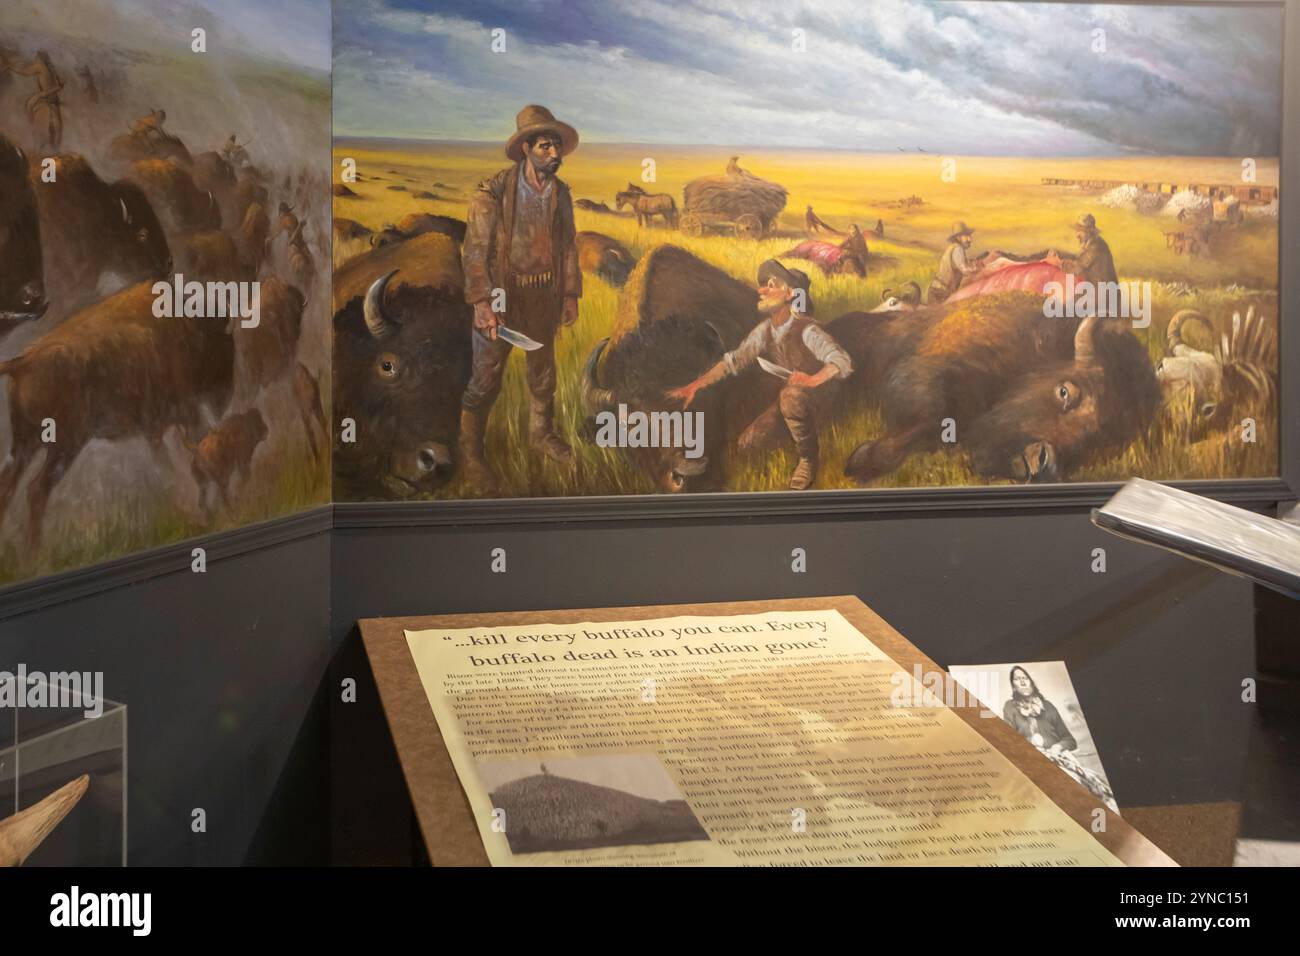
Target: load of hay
x=731, y=196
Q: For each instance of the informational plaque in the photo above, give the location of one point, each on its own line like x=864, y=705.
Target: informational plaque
x=782, y=737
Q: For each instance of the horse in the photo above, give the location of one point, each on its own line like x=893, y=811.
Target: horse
x=646, y=205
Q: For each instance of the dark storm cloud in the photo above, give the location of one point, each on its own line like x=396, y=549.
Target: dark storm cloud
x=950, y=77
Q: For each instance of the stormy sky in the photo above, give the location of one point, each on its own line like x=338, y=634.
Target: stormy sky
x=944, y=76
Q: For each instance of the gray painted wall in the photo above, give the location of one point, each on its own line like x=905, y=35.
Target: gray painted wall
x=221, y=673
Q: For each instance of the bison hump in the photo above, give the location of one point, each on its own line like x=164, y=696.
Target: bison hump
x=669, y=281
x=431, y=260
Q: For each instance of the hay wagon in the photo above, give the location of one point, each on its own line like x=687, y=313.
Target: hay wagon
x=742, y=204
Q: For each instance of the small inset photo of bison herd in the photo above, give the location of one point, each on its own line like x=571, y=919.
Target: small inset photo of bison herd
x=127, y=422
x=574, y=803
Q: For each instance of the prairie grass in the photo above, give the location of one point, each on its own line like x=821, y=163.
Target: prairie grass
x=1002, y=198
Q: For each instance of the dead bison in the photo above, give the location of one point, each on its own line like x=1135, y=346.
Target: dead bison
x=418, y=224
x=606, y=257
x=349, y=229
x=22, y=287
x=401, y=362
x=111, y=371
x=677, y=315
x=1032, y=397
x=225, y=451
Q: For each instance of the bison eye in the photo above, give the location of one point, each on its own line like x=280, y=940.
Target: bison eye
x=387, y=365
x=1067, y=393
x=1208, y=409
x=142, y=235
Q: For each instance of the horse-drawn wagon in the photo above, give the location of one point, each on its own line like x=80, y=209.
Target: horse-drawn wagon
x=737, y=202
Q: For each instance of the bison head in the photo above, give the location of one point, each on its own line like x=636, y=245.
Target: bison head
x=142, y=252
x=401, y=364
x=1054, y=419
x=22, y=291
x=638, y=369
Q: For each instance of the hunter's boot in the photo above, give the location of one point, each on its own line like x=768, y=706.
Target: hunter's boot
x=541, y=432
x=796, y=407
x=473, y=462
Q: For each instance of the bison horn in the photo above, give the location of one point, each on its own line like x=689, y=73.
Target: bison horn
x=1174, y=334
x=23, y=832
x=593, y=394
x=378, y=324
x=126, y=216
x=1083, y=341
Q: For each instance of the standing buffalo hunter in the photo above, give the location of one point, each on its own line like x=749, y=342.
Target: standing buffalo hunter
x=520, y=250
x=790, y=345
x=22, y=289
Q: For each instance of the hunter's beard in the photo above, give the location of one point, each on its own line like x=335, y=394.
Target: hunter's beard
x=547, y=169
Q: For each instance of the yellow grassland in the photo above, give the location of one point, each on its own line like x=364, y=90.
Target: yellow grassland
x=1002, y=198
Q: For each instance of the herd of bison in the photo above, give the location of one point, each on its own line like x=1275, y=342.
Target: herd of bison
x=83, y=241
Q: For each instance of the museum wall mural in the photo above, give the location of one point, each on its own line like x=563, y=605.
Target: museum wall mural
x=613, y=248
x=164, y=253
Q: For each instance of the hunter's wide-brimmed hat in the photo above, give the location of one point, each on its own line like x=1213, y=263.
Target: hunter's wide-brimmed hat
x=538, y=119
x=1088, y=223
x=960, y=229
x=794, y=278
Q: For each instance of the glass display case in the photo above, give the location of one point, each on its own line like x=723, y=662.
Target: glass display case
x=62, y=777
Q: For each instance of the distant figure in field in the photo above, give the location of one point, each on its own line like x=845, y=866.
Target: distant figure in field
x=880, y=229
x=813, y=224
x=87, y=78
x=955, y=265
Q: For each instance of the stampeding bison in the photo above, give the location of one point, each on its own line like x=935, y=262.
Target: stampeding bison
x=1032, y=397
x=225, y=451
x=264, y=352
x=91, y=229
x=111, y=371
x=180, y=204
x=401, y=362
x=22, y=287
x=677, y=315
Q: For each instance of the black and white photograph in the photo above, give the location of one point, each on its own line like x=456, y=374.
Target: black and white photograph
x=1038, y=699
x=573, y=803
